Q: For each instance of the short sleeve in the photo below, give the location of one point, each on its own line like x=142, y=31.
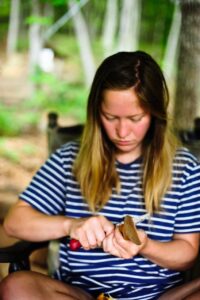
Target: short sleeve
x=46, y=191
x=188, y=214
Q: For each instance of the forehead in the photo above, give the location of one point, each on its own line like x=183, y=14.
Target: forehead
x=121, y=102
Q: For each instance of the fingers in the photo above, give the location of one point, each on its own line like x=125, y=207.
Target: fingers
x=91, y=231
x=118, y=246
x=126, y=248
x=98, y=231
x=112, y=246
x=109, y=247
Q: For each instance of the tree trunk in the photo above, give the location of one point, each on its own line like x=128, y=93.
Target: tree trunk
x=13, y=28
x=171, y=50
x=84, y=43
x=187, y=104
x=171, y=53
x=129, y=25
x=35, y=38
x=110, y=26
x=35, y=45
x=63, y=20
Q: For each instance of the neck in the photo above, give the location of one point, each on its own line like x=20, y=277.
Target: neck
x=126, y=158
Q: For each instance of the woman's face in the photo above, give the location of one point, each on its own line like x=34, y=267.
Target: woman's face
x=125, y=122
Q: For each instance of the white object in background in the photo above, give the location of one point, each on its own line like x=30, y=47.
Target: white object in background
x=46, y=60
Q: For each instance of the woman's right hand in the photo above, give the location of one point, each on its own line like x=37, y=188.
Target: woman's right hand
x=90, y=232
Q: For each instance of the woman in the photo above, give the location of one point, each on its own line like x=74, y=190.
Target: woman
x=128, y=163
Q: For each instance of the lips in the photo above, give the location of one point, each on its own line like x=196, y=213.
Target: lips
x=123, y=143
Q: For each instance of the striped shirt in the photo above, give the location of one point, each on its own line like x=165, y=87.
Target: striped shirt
x=54, y=190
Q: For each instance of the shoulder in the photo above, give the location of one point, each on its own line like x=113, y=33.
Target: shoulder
x=186, y=163
x=66, y=151
x=63, y=157
x=184, y=156
x=69, y=148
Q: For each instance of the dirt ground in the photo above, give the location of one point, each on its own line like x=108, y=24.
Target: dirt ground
x=15, y=175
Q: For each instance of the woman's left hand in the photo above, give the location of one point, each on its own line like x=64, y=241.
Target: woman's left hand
x=116, y=245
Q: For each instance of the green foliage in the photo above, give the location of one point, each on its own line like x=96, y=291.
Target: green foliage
x=5, y=8
x=15, y=121
x=22, y=44
x=51, y=94
x=91, y=11
x=58, y=2
x=54, y=94
x=64, y=46
x=38, y=20
x=155, y=23
x=7, y=124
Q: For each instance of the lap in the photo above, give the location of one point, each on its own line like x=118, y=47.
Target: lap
x=31, y=285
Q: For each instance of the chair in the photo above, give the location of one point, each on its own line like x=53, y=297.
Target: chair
x=18, y=254
x=57, y=135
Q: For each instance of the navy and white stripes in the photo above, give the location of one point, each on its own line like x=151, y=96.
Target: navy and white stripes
x=54, y=190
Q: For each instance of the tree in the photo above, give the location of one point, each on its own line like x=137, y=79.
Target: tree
x=13, y=28
x=171, y=51
x=129, y=25
x=35, y=36
x=187, y=101
x=110, y=26
x=82, y=35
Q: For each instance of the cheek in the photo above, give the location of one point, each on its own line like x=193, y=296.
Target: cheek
x=109, y=129
x=142, y=129
x=106, y=126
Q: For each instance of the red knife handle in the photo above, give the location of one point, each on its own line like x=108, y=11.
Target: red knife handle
x=74, y=244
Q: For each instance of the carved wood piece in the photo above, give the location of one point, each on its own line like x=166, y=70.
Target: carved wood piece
x=129, y=231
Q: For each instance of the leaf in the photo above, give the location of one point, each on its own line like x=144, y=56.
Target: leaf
x=38, y=20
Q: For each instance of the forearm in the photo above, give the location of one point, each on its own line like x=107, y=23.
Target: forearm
x=177, y=254
x=24, y=222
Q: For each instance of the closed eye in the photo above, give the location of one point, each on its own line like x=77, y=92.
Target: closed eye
x=136, y=119
x=110, y=118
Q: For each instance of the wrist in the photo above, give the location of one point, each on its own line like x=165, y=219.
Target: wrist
x=67, y=224
x=144, y=241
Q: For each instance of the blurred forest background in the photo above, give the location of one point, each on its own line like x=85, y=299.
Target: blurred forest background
x=49, y=51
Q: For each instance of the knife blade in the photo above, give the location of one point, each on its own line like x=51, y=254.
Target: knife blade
x=141, y=218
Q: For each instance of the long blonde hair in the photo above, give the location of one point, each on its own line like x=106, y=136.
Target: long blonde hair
x=94, y=166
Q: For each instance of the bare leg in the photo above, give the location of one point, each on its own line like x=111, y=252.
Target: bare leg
x=187, y=291
x=193, y=296
x=25, y=285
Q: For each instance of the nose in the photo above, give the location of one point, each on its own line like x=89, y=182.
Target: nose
x=122, y=129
